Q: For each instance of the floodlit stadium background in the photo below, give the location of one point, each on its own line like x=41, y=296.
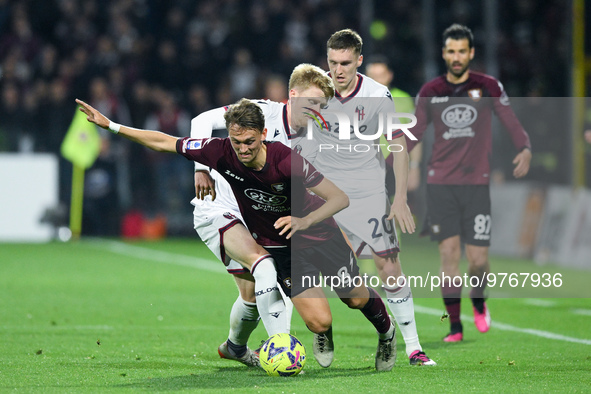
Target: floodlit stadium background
x=155, y=64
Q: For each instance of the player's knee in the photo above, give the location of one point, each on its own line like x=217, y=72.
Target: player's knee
x=449, y=251
x=479, y=261
x=248, y=297
x=355, y=303
x=319, y=324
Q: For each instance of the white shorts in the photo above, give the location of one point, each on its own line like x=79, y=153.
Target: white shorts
x=365, y=222
x=211, y=221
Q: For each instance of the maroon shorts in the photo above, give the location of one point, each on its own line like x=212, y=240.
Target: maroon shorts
x=462, y=210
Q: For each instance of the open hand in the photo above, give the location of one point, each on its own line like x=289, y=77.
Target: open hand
x=92, y=115
x=521, y=162
x=291, y=224
x=401, y=211
x=204, y=185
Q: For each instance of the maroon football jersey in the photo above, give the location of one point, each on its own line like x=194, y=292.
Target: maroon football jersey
x=264, y=196
x=461, y=116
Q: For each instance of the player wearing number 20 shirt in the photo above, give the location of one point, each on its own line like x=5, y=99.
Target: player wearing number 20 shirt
x=358, y=171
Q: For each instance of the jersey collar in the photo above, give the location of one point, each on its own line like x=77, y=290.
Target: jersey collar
x=286, y=124
x=343, y=100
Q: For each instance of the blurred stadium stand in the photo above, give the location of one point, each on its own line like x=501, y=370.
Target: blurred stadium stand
x=160, y=62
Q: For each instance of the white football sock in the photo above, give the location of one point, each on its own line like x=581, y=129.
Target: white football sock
x=244, y=318
x=288, y=308
x=402, y=306
x=269, y=301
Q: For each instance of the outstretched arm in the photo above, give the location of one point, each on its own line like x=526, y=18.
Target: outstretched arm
x=155, y=140
x=202, y=126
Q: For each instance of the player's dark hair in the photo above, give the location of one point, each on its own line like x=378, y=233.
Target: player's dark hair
x=245, y=114
x=379, y=59
x=345, y=39
x=458, y=32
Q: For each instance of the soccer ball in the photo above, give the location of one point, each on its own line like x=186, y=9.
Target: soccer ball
x=282, y=355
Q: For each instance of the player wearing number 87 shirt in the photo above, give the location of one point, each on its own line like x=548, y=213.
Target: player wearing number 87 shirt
x=460, y=105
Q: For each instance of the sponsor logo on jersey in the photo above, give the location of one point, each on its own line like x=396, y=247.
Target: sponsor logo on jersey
x=459, y=116
x=276, y=133
x=475, y=94
x=278, y=187
x=458, y=133
x=317, y=117
x=264, y=197
x=436, y=100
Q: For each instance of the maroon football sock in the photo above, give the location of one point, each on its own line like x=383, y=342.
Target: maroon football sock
x=452, y=297
x=375, y=311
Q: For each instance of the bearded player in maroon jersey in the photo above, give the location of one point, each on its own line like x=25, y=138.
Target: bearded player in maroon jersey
x=460, y=105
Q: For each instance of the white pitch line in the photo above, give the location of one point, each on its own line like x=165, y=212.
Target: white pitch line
x=56, y=327
x=584, y=312
x=208, y=265
x=508, y=327
x=539, y=302
x=159, y=256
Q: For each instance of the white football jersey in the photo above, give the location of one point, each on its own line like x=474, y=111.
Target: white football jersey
x=354, y=164
x=202, y=126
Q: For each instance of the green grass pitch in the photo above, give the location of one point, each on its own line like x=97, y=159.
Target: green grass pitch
x=113, y=316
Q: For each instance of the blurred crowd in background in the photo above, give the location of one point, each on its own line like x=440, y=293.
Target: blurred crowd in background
x=158, y=63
